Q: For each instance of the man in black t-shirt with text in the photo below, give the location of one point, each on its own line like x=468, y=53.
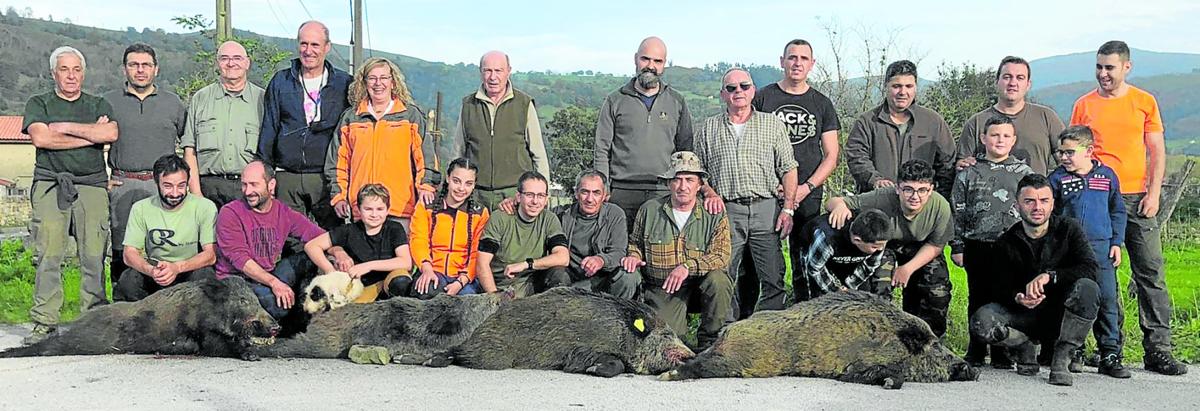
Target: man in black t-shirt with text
x=812, y=124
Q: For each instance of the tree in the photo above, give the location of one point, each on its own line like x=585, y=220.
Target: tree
x=960, y=92
x=572, y=131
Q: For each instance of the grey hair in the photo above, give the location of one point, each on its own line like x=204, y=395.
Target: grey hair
x=733, y=69
x=58, y=52
x=590, y=173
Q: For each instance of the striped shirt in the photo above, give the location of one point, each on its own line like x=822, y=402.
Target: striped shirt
x=747, y=166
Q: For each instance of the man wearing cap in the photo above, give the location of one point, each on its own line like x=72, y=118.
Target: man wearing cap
x=749, y=155
x=680, y=249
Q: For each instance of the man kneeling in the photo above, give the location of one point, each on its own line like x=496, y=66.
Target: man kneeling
x=1052, y=283
x=169, y=239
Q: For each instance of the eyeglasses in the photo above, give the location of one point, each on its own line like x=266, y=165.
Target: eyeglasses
x=380, y=79
x=135, y=65
x=909, y=191
x=539, y=196
x=1067, y=152
x=228, y=59
x=733, y=87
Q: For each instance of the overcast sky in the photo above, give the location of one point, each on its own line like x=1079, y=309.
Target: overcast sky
x=566, y=36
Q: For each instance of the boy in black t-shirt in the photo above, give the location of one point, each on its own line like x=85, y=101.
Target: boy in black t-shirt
x=850, y=258
x=372, y=249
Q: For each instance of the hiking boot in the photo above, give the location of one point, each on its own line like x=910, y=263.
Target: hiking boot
x=1026, y=359
x=39, y=333
x=1076, y=365
x=976, y=351
x=1164, y=363
x=1000, y=358
x=1072, y=332
x=1110, y=365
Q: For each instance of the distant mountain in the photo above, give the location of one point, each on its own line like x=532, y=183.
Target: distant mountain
x=1070, y=68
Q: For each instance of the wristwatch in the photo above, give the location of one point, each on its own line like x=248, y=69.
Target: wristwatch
x=529, y=261
x=789, y=211
x=810, y=185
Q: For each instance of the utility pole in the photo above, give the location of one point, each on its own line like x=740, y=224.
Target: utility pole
x=224, y=26
x=356, y=52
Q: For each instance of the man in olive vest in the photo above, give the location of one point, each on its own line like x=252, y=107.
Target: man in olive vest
x=498, y=130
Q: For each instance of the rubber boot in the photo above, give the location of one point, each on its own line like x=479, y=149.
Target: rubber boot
x=1026, y=351
x=976, y=351
x=1071, y=335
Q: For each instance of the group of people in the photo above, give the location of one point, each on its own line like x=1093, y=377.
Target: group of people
x=326, y=171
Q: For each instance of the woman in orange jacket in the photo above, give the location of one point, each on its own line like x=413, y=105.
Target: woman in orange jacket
x=380, y=140
x=445, y=238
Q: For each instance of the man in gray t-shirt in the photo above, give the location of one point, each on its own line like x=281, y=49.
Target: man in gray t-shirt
x=1037, y=125
x=150, y=121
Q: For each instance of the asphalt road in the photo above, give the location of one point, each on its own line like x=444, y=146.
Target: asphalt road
x=180, y=383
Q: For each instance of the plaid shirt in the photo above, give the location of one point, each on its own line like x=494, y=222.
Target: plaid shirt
x=748, y=166
x=702, y=245
x=821, y=251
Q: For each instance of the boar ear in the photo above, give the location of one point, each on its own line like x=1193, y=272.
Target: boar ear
x=639, y=326
x=914, y=338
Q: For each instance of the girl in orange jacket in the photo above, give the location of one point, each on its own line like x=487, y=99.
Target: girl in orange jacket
x=445, y=236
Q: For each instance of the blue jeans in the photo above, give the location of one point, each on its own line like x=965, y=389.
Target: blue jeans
x=440, y=288
x=285, y=270
x=1108, y=321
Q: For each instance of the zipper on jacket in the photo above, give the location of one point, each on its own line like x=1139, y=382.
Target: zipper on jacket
x=450, y=252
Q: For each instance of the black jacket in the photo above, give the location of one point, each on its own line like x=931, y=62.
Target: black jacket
x=286, y=140
x=1064, y=251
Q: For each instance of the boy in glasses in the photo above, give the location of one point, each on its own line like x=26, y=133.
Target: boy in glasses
x=922, y=225
x=983, y=197
x=1088, y=191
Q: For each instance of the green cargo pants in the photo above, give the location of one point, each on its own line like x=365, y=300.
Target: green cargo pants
x=87, y=220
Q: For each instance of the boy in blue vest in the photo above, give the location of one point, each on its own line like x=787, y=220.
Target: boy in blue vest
x=1088, y=191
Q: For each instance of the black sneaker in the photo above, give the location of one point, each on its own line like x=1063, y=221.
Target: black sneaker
x=1164, y=363
x=1110, y=365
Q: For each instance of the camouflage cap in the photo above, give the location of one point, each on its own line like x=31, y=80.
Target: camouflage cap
x=684, y=162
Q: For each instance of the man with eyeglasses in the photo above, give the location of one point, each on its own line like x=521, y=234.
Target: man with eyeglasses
x=69, y=129
x=638, y=127
x=526, y=251
x=748, y=154
x=150, y=121
x=896, y=131
x=922, y=225
x=220, y=136
x=498, y=130
x=302, y=106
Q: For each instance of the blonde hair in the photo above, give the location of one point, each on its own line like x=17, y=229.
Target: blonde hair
x=358, y=89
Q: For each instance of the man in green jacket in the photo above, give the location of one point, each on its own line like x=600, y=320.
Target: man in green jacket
x=680, y=249
x=499, y=131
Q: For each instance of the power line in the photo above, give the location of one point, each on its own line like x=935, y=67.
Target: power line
x=276, y=15
x=310, y=17
x=367, y=35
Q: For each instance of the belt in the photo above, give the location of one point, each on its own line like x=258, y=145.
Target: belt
x=746, y=201
x=136, y=175
x=231, y=177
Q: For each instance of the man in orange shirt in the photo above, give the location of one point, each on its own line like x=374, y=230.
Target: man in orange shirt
x=1129, y=138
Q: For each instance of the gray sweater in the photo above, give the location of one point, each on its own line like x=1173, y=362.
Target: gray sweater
x=609, y=240
x=634, y=145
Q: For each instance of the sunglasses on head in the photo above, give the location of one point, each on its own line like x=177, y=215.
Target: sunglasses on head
x=733, y=87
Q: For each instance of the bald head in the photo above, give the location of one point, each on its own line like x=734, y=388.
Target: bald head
x=231, y=48
x=650, y=60
x=313, y=27
x=258, y=183
x=494, y=71
x=232, y=64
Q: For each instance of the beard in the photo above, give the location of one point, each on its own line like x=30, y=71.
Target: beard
x=171, y=202
x=257, y=201
x=648, y=79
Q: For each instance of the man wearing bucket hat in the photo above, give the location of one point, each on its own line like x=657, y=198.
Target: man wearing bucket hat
x=681, y=249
